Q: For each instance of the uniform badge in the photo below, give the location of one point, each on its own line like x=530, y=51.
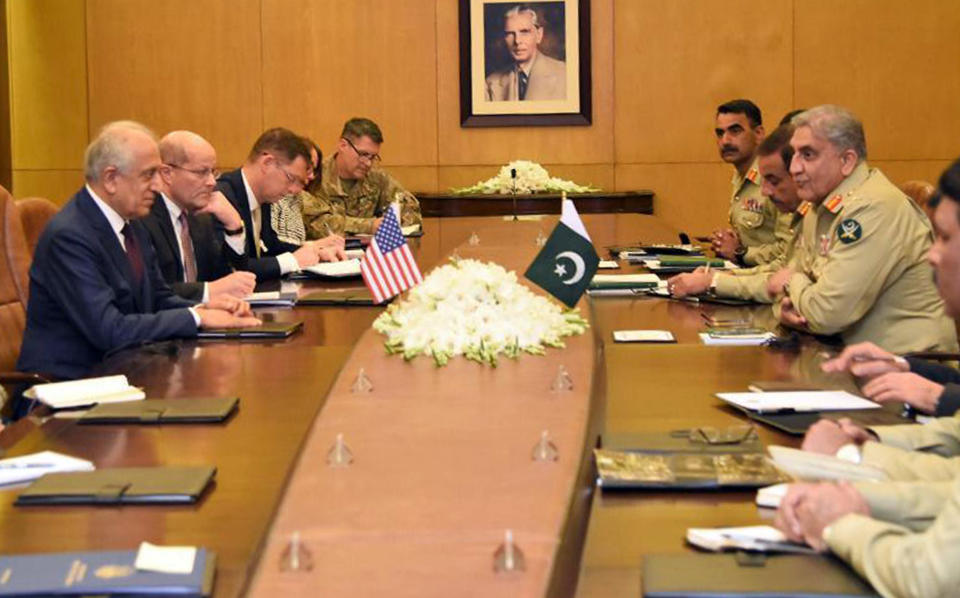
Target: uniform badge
x=824, y=245
x=849, y=231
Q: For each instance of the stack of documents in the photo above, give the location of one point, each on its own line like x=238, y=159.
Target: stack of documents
x=797, y=401
x=622, y=284
x=91, y=391
x=344, y=269
x=736, y=337
x=759, y=538
x=26, y=468
x=271, y=298
x=805, y=465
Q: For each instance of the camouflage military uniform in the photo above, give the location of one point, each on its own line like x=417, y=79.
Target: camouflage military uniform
x=861, y=271
x=351, y=207
x=754, y=218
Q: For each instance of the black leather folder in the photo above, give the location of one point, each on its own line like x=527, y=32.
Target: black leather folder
x=266, y=331
x=120, y=486
x=705, y=439
x=730, y=575
x=162, y=411
x=796, y=424
x=354, y=297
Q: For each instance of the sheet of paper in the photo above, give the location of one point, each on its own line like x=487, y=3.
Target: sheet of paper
x=762, y=538
x=643, y=336
x=336, y=269
x=608, y=265
x=626, y=278
x=263, y=296
x=807, y=400
x=25, y=468
x=166, y=559
x=770, y=496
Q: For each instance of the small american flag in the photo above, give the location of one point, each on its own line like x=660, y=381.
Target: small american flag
x=388, y=267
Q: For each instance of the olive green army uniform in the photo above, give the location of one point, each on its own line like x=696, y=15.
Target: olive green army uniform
x=860, y=269
x=754, y=218
x=351, y=207
x=751, y=283
x=898, y=561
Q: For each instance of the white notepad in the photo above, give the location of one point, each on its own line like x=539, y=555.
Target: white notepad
x=336, y=269
x=26, y=468
x=77, y=393
x=806, y=400
x=600, y=279
x=763, y=538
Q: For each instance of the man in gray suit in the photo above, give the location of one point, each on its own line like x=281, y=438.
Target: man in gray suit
x=534, y=75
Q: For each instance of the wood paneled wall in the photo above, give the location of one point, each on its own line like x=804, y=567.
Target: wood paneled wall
x=230, y=68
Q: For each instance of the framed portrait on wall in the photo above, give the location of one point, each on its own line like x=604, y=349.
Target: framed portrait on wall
x=524, y=63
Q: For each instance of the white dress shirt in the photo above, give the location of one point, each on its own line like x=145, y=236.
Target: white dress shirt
x=288, y=263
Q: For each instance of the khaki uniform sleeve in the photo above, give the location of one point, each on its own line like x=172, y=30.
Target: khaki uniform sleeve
x=898, y=562
x=913, y=505
x=772, y=252
x=752, y=286
x=853, y=276
x=906, y=465
x=940, y=436
x=321, y=216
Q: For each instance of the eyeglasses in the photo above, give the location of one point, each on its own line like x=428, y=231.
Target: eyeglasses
x=202, y=172
x=363, y=155
x=291, y=178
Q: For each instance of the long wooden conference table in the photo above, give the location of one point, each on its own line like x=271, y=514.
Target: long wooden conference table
x=442, y=456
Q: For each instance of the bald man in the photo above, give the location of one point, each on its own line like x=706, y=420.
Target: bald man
x=198, y=235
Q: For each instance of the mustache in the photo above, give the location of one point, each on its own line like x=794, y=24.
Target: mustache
x=728, y=148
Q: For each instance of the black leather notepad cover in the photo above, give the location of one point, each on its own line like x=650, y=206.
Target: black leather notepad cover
x=121, y=485
x=267, y=330
x=722, y=576
x=359, y=297
x=162, y=411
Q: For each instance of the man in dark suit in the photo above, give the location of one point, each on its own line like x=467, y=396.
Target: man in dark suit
x=197, y=234
x=94, y=284
x=278, y=165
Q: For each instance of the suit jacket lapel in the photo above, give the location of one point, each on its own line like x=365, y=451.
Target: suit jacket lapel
x=166, y=227
x=110, y=243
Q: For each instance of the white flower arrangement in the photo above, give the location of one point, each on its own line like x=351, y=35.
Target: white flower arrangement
x=531, y=178
x=477, y=310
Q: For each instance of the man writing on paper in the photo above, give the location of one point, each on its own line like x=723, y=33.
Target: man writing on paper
x=277, y=166
x=861, y=271
x=773, y=159
x=533, y=75
x=354, y=192
x=904, y=535
x=188, y=222
x=95, y=286
x=753, y=238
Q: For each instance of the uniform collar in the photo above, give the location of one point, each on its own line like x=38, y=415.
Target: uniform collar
x=803, y=208
x=752, y=175
x=834, y=201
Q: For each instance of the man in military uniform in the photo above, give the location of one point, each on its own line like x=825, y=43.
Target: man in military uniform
x=861, y=268
x=773, y=158
x=902, y=535
x=753, y=238
x=354, y=191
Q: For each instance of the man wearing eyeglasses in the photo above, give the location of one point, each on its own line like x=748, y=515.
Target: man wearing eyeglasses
x=277, y=166
x=184, y=220
x=355, y=192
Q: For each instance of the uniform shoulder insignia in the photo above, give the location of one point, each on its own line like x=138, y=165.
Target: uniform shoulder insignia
x=752, y=175
x=833, y=204
x=849, y=231
x=803, y=208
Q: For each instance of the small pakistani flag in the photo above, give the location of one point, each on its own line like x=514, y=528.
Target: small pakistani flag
x=566, y=264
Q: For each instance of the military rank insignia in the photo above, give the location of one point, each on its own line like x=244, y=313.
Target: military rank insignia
x=753, y=205
x=849, y=231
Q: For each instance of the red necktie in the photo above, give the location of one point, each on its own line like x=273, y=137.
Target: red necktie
x=133, y=253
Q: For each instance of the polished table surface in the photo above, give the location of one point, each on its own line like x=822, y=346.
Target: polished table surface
x=284, y=385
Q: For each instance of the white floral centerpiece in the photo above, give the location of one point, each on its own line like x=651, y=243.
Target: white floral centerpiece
x=477, y=310
x=531, y=178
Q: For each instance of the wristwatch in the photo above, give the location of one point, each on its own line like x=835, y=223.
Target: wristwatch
x=234, y=232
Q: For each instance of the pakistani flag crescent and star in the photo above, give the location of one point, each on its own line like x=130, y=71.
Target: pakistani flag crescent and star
x=566, y=264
